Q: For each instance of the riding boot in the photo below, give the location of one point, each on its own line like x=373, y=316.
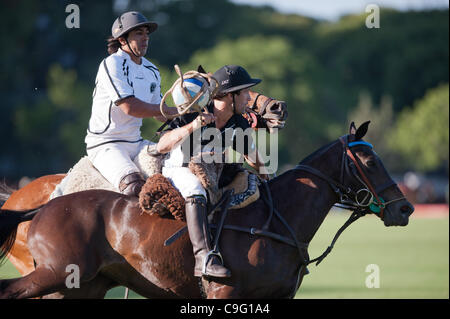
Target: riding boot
x=131, y=184
x=198, y=229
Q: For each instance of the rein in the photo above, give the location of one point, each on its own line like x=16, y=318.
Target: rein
x=348, y=199
x=359, y=207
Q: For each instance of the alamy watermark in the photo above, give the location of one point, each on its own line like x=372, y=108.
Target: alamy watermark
x=73, y=19
x=373, y=19
x=211, y=146
x=373, y=279
x=73, y=278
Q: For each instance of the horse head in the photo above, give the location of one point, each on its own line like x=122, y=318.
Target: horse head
x=266, y=112
x=356, y=174
x=373, y=188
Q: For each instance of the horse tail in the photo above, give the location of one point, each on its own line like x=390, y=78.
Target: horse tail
x=9, y=221
x=5, y=193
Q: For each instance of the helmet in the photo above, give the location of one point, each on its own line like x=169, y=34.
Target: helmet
x=130, y=20
x=233, y=78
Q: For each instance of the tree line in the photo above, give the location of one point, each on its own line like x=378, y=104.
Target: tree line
x=329, y=73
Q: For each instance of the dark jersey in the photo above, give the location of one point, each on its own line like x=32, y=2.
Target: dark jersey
x=231, y=135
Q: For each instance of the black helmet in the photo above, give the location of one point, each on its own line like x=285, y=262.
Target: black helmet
x=131, y=20
x=233, y=78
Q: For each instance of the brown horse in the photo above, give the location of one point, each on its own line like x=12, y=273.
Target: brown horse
x=263, y=112
x=110, y=242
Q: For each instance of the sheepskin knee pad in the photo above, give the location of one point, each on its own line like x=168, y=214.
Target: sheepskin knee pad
x=185, y=181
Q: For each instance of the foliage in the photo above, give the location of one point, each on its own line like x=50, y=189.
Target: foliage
x=60, y=118
x=329, y=73
x=381, y=122
x=421, y=132
x=287, y=73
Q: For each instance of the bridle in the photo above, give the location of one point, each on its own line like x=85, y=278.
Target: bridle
x=366, y=199
x=253, y=113
x=370, y=202
x=262, y=110
x=363, y=201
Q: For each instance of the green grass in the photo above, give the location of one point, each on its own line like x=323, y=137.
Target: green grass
x=413, y=261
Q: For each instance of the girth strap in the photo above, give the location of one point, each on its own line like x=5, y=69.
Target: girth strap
x=261, y=232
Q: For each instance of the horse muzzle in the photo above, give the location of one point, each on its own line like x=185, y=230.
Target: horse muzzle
x=275, y=115
x=398, y=214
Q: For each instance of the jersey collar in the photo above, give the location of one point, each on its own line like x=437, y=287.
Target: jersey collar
x=125, y=55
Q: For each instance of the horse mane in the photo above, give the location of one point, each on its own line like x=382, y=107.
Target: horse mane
x=320, y=151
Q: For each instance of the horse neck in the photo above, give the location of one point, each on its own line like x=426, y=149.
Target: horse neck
x=304, y=199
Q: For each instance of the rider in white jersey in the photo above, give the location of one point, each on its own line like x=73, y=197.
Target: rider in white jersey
x=127, y=89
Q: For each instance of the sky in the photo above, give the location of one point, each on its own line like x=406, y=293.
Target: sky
x=333, y=9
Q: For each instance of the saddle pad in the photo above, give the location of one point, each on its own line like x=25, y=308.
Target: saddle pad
x=246, y=190
x=84, y=175
x=159, y=196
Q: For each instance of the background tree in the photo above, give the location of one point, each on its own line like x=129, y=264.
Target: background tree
x=421, y=132
x=327, y=72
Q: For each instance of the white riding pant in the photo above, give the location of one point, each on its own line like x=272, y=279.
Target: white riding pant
x=115, y=160
x=181, y=177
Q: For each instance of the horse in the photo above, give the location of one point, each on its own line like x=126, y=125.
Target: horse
x=107, y=238
x=263, y=112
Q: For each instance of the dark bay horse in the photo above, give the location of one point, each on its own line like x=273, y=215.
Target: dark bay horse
x=263, y=113
x=110, y=242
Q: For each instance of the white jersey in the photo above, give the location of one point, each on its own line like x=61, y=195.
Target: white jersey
x=119, y=77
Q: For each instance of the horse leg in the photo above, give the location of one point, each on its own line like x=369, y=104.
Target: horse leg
x=40, y=282
x=217, y=290
x=125, y=275
x=93, y=289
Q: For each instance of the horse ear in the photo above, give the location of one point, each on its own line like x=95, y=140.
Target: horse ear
x=201, y=69
x=352, y=129
x=362, y=130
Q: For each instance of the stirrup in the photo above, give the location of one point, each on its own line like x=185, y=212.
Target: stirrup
x=208, y=257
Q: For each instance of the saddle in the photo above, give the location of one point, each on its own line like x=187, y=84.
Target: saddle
x=158, y=195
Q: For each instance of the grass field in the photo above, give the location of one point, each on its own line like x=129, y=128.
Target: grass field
x=413, y=261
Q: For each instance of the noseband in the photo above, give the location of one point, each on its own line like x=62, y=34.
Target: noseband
x=262, y=110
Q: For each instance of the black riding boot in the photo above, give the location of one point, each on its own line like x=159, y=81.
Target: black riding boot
x=131, y=184
x=197, y=224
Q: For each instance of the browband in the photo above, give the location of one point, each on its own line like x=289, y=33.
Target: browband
x=360, y=143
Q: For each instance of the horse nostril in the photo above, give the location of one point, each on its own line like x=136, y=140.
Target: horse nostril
x=407, y=209
x=275, y=108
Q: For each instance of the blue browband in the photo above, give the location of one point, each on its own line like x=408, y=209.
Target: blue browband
x=360, y=143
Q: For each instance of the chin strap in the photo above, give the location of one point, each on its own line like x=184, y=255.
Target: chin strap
x=129, y=47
